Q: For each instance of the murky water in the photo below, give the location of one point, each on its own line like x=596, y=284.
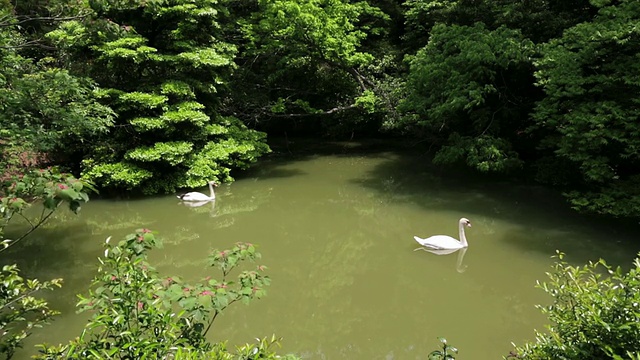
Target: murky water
x=336, y=231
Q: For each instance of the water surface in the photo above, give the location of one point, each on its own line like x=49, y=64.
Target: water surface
x=336, y=231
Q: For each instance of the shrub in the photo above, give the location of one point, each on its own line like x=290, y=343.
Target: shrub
x=595, y=313
x=20, y=310
x=137, y=314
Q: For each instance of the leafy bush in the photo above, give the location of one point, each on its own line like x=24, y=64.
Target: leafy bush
x=139, y=314
x=44, y=186
x=595, y=314
x=20, y=310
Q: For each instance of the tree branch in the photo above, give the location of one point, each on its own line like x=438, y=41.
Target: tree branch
x=22, y=19
x=33, y=228
x=326, y=112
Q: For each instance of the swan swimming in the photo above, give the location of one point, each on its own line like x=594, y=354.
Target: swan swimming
x=444, y=242
x=196, y=196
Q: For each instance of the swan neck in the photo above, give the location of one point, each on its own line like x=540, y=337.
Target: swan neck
x=463, y=238
x=212, y=194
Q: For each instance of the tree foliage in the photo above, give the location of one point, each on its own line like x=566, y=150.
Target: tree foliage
x=464, y=87
x=21, y=311
x=589, y=115
x=162, y=68
x=303, y=58
x=43, y=109
x=537, y=20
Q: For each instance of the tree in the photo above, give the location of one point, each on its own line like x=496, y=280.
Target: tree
x=162, y=68
x=470, y=87
x=537, y=20
x=43, y=109
x=589, y=116
x=305, y=60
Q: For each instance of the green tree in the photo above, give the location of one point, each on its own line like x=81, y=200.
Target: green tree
x=163, y=68
x=537, y=20
x=468, y=90
x=43, y=109
x=588, y=119
x=304, y=60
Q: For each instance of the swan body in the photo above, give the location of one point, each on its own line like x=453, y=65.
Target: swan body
x=444, y=242
x=196, y=196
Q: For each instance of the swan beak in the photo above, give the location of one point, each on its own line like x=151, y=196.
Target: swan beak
x=468, y=224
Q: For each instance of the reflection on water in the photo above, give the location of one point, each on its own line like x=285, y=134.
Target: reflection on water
x=459, y=267
x=336, y=232
x=195, y=204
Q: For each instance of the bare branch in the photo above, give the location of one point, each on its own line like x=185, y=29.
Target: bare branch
x=327, y=112
x=22, y=19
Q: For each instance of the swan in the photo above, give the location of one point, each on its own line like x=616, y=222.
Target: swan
x=444, y=242
x=196, y=196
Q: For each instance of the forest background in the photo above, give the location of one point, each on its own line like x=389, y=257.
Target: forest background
x=148, y=96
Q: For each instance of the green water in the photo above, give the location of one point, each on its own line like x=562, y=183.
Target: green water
x=336, y=231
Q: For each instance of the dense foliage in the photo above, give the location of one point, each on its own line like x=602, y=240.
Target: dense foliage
x=304, y=61
x=150, y=96
x=595, y=314
x=477, y=93
x=589, y=116
x=464, y=88
x=161, y=66
x=43, y=108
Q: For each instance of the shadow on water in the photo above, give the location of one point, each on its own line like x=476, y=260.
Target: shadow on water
x=41, y=255
x=544, y=221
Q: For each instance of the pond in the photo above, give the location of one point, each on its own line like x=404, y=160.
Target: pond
x=335, y=229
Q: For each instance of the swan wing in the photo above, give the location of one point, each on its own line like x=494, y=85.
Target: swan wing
x=439, y=242
x=194, y=196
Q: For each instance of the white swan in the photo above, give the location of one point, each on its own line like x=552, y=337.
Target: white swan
x=196, y=196
x=444, y=242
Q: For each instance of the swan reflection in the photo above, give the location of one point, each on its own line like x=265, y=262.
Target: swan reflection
x=459, y=267
x=194, y=204
x=198, y=204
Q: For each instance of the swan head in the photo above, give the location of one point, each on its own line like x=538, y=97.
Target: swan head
x=215, y=184
x=465, y=221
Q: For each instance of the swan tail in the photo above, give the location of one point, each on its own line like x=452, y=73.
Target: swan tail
x=422, y=242
x=425, y=244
